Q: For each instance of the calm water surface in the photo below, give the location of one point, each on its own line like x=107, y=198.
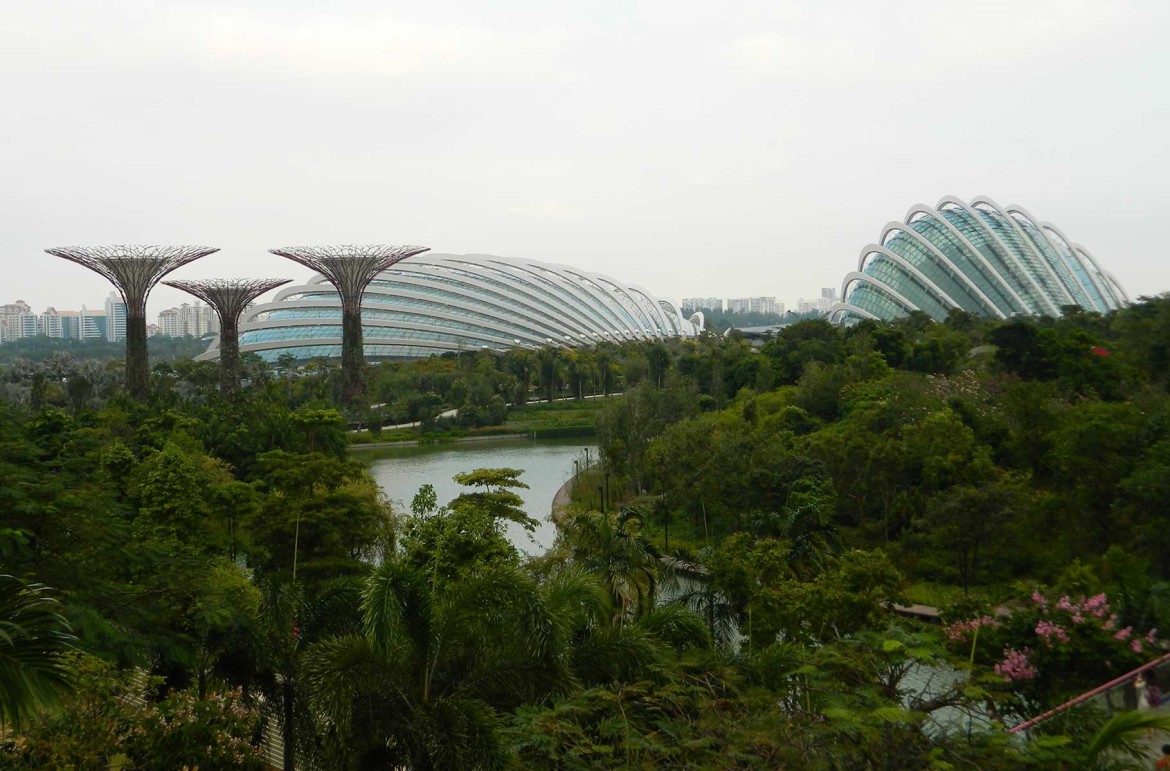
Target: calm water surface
x=401, y=471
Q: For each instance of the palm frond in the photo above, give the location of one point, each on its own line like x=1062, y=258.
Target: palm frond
x=1124, y=736
x=678, y=626
x=396, y=601
x=34, y=641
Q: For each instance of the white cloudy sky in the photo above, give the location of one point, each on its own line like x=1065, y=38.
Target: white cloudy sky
x=695, y=148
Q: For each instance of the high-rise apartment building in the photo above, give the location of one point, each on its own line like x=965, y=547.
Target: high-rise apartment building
x=17, y=321
x=93, y=324
x=168, y=322
x=27, y=325
x=188, y=320
x=70, y=324
x=10, y=323
x=115, y=318
x=49, y=323
x=821, y=304
x=692, y=304
x=752, y=305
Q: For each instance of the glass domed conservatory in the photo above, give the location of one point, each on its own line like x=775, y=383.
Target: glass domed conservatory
x=979, y=257
x=435, y=303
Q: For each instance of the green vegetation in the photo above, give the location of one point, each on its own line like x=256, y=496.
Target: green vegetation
x=38, y=349
x=185, y=569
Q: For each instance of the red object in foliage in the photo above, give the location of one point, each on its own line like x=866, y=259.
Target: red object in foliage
x=1099, y=351
x=296, y=630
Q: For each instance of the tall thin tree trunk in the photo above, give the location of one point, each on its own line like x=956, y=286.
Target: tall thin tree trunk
x=137, y=367
x=289, y=736
x=229, y=356
x=352, y=356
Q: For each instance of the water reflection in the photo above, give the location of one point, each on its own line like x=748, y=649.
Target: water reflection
x=547, y=465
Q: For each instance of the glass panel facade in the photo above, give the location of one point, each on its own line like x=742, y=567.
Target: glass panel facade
x=874, y=299
x=908, y=284
x=987, y=260
x=451, y=303
x=934, y=231
x=981, y=239
x=1080, y=270
x=918, y=254
x=368, y=333
x=1023, y=253
x=1059, y=265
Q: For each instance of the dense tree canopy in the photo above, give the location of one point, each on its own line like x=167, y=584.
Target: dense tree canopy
x=719, y=597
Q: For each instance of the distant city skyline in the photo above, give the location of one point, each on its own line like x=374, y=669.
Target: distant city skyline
x=175, y=298
x=19, y=319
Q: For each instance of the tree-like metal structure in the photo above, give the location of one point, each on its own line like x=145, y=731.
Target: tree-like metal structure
x=350, y=269
x=229, y=297
x=134, y=270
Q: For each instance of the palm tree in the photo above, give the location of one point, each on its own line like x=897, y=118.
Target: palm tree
x=34, y=641
x=290, y=621
x=613, y=547
x=419, y=686
x=686, y=581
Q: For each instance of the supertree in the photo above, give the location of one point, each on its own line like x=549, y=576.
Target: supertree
x=229, y=297
x=134, y=270
x=350, y=269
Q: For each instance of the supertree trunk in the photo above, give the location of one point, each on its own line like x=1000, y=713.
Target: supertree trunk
x=353, y=359
x=137, y=363
x=229, y=355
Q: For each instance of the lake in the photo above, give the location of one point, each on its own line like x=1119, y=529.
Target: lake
x=547, y=464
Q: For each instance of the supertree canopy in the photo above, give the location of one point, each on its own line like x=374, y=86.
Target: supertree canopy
x=229, y=297
x=134, y=270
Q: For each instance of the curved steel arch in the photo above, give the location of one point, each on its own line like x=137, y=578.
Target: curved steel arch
x=1119, y=297
x=519, y=288
x=1092, y=270
x=853, y=276
x=1027, y=244
x=992, y=275
x=1042, y=241
x=939, y=295
x=1006, y=254
x=838, y=308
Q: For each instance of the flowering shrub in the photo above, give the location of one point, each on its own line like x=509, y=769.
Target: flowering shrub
x=105, y=723
x=965, y=630
x=184, y=731
x=1049, y=650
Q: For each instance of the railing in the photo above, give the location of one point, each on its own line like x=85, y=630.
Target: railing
x=1105, y=691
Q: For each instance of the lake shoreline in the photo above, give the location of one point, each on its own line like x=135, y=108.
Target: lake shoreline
x=453, y=440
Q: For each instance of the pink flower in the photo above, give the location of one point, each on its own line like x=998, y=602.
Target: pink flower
x=1039, y=599
x=1015, y=665
x=1136, y=645
x=1151, y=636
x=1097, y=605
x=1064, y=604
x=960, y=629
x=1047, y=630
x=1123, y=634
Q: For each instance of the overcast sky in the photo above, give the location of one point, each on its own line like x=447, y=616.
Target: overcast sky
x=695, y=148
